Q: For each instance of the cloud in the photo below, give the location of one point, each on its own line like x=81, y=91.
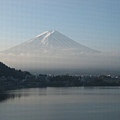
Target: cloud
x=62, y=61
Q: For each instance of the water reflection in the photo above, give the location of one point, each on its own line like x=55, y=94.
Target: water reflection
x=78, y=91
x=22, y=93
x=6, y=96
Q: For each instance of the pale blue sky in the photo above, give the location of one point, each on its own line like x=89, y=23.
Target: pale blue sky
x=94, y=23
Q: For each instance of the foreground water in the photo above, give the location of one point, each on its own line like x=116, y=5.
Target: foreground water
x=78, y=103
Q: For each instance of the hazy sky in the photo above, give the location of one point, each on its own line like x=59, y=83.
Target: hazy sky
x=94, y=23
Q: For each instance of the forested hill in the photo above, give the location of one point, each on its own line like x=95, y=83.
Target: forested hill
x=12, y=72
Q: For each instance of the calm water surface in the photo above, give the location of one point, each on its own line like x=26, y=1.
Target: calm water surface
x=77, y=103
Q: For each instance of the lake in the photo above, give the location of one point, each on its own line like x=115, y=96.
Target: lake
x=67, y=103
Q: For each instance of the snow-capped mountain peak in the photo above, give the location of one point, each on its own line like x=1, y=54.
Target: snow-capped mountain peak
x=53, y=50
x=50, y=41
x=46, y=33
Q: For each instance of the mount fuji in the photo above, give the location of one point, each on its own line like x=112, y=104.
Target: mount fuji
x=50, y=41
x=51, y=50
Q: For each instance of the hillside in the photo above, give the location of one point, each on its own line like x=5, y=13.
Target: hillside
x=11, y=72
